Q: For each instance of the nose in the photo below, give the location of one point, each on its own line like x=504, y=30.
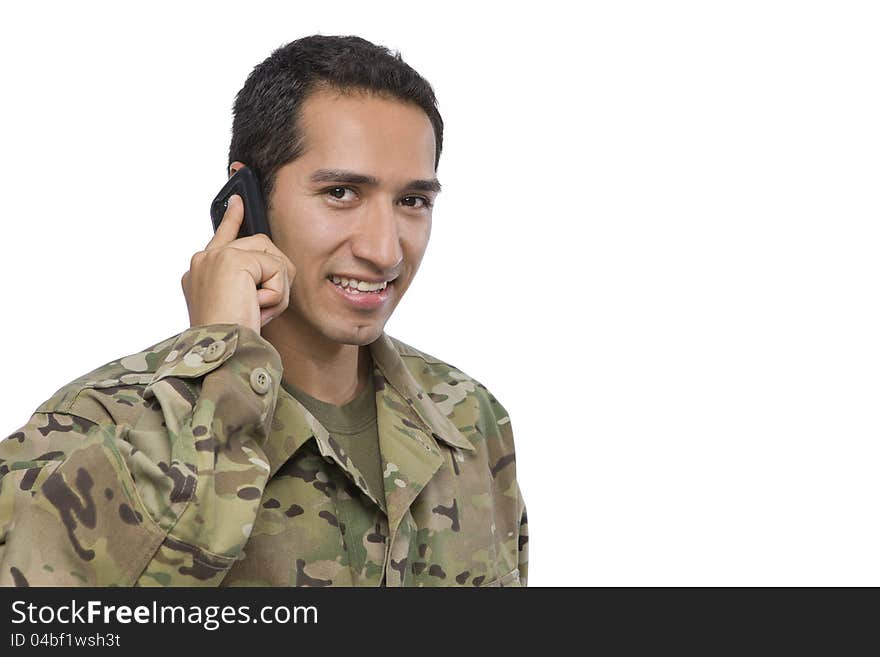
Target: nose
x=377, y=239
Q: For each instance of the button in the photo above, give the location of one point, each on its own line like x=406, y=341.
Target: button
x=260, y=381
x=214, y=351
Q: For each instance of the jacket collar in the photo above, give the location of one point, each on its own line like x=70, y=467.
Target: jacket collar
x=409, y=423
x=388, y=361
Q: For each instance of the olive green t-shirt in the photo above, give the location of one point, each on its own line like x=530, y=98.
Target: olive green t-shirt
x=354, y=426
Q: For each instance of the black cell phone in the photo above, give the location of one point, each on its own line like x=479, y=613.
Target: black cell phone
x=245, y=183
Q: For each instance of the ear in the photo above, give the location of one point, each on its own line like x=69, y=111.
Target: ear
x=235, y=166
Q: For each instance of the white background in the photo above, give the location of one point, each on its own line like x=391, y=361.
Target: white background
x=657, y=245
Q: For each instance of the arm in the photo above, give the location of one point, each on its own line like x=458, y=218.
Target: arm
x=523, y=542
x=165, y=500
x=501, y=430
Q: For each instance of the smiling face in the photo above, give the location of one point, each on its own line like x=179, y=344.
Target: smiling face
x=356, y=203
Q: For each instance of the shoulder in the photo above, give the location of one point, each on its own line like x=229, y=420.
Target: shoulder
x=459, y=395
x=112, y=391
x=431, y=371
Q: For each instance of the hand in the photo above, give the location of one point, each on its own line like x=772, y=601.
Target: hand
x=221, y=284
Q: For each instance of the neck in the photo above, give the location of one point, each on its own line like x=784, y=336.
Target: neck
x=329, y=371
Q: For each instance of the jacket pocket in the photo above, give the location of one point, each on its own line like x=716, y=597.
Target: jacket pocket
x=177, y=563
x=510, y=579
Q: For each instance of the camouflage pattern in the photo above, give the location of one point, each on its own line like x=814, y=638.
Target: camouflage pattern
x=175, y=467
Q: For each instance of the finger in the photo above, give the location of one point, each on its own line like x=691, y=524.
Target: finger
x=273, y=306
x=273, y=291
x=258, y=242
x=271, y=302
x=229, y=226
x=266, y=316
x=266, y=269
x=268, y=309
x=267, y=298
x=261, y=242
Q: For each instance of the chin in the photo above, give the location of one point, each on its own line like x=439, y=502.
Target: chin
x=361, y=336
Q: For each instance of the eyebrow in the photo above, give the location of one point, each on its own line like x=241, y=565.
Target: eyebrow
x=341, y=175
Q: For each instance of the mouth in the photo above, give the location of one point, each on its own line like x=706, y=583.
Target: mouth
x=361, y=295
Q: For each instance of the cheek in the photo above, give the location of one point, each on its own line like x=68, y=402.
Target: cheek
x=414, y=240
x=305, y=248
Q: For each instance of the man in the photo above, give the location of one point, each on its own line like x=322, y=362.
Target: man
x=284, y=439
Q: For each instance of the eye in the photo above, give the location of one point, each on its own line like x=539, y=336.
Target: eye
x=426, y=202
x=338, y=193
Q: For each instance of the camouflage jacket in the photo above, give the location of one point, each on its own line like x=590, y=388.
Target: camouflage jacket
x=187, y=464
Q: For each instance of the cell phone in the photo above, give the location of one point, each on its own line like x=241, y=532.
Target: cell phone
x=246, y=184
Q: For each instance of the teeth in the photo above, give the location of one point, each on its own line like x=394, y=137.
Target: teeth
x=359, y=286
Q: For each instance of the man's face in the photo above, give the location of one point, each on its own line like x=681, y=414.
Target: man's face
x=331, y=224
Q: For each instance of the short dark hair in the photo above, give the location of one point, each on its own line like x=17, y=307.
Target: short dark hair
x=265, y=129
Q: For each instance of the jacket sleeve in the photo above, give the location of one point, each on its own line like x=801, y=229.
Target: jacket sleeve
x=523, y=542
x=501, y=429
x=166, y=499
